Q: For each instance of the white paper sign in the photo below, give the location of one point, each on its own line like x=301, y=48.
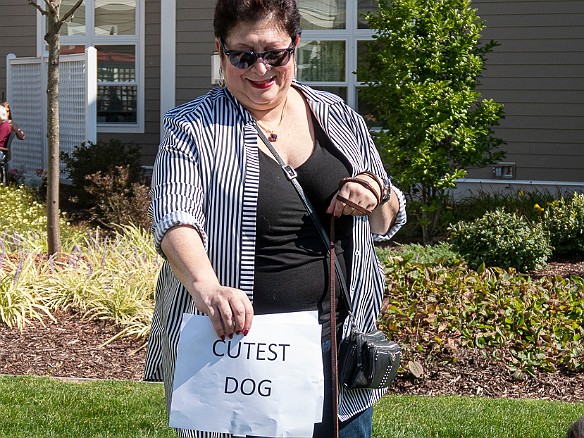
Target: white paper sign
x=268, y=383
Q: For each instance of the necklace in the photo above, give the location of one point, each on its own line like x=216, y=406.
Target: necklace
x=273, y=136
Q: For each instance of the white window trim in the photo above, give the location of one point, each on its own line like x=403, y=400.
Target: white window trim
x=350, y=36
x=137, y=40
x=167, y=58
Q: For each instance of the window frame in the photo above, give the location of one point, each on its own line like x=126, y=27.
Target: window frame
x=92, y=40
x=351, y=35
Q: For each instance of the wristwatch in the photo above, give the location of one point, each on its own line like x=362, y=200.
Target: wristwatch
x=387, y=185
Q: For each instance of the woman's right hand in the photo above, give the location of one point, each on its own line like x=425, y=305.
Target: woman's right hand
x=229, y=309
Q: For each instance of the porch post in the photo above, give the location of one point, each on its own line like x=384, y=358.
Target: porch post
x=167, y=57
x=91, y=107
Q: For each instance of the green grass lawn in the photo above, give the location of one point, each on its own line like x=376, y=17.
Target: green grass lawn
x=42, y=407
x=39, y=407
x=472, y=417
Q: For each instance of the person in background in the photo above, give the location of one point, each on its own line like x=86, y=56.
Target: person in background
x=5, y=130
x=235, y=237
x=19, y=132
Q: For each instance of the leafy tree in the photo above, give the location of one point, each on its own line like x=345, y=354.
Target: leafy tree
x=422, y=72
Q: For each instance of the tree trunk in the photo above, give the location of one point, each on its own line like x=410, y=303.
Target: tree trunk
x=53, y=174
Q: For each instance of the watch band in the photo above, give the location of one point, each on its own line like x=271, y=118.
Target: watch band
x=387, y=186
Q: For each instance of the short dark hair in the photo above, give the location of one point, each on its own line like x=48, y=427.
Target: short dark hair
x=229, y=13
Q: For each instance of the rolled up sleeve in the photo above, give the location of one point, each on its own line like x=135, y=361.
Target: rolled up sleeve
x=176, y=192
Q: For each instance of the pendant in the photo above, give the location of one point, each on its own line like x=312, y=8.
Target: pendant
x=273, y=137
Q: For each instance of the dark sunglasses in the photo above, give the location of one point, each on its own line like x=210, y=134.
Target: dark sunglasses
x=246, y=58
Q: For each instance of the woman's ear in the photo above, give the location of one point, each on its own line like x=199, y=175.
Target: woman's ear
x=221, y=79
x=297, y=40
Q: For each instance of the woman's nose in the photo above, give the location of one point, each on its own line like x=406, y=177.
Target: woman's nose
x=262, y=66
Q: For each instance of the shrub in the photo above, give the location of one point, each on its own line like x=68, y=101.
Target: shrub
x=118, y=200
x=21, y=211
x=435, y=311
x=522, y=202
x=475, y=204
x=107, y=276
x=501, y=239
x=564, y=221
x=108, y=182
x=440, y=253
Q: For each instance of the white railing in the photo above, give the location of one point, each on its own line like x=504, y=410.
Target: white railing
x=26, y=92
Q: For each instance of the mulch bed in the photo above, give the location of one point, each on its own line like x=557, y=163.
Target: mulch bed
x=474, y=374
x=73, y=347
x=70, y=346
x=76, y=347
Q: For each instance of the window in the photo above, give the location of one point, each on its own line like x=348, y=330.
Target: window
x=321, y=61
x=117, y=93
x=113, y=28
x=334, y=33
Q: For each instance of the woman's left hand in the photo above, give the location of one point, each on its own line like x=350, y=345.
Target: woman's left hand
x=354, y=198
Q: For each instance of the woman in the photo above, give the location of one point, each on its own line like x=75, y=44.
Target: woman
x=19, y=132
x=212, y=171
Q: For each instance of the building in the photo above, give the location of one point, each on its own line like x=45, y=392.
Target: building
x=538, y=73
x=153, y=55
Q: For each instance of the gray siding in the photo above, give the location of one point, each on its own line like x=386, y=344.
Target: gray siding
x=194, y=46
x=537, y=72
x=17, y=34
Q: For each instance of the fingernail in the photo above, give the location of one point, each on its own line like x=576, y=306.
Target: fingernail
x=222, y=337
x=231, y=336
x=245, y=332
x=238, y=332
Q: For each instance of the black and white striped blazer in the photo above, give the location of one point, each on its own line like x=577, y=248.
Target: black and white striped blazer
x=206, y=174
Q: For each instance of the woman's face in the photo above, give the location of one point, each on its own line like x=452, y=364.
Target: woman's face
x=259, y=87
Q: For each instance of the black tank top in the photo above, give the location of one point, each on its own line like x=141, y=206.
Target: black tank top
x=291, y=265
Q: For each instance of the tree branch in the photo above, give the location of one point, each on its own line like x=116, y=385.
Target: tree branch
x=71, y=11
x=50, y=7
x=41, y=10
